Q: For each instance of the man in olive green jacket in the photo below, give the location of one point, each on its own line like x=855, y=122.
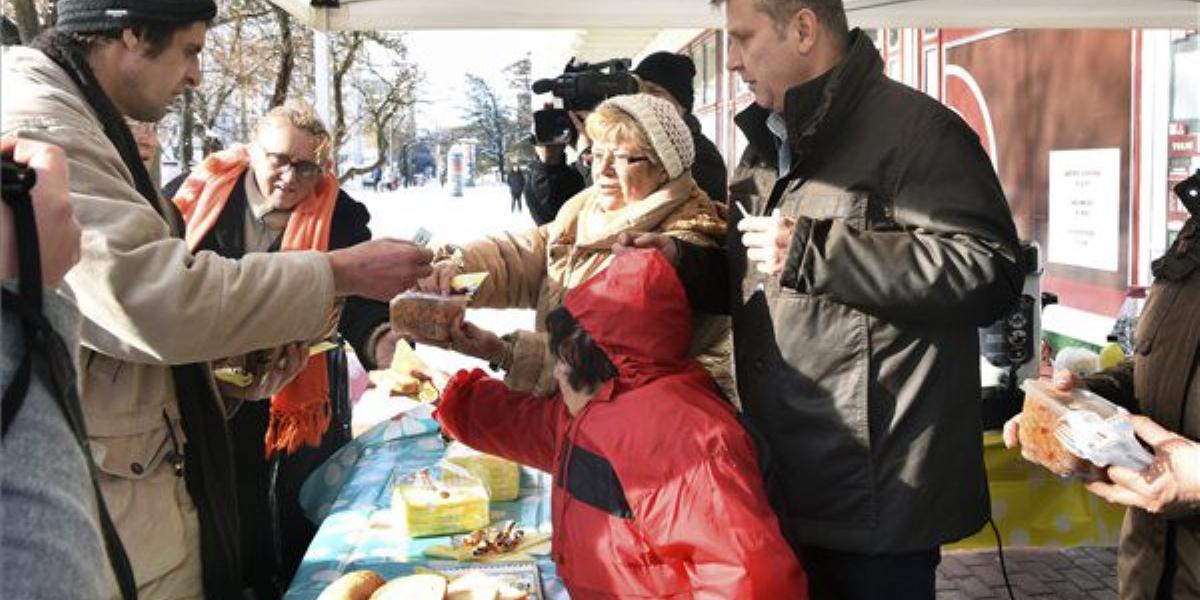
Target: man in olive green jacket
x=154, y=313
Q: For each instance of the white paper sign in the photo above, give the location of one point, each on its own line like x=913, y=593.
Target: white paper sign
x=1085, y=208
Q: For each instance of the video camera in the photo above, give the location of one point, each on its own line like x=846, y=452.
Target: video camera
x=581, y=87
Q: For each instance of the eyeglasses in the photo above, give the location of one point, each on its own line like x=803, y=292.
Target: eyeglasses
x=305, y=169
x=620, y=160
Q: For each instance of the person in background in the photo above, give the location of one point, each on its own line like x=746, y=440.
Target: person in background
x=1159, y=555
x=642, y=183
x=155, y=313
x=670, y=77
x=550, y=180
x=657, y=489
x=56, y=535
x=516, y=186
x=279, y=193
x=870, y=241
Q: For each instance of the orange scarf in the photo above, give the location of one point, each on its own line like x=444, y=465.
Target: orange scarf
x=300, y=411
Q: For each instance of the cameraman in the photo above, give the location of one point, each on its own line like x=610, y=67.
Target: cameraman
x=550, y=181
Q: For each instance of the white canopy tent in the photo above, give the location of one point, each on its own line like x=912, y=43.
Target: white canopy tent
x=673, y=14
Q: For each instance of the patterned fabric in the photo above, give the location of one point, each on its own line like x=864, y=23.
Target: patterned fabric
x=350, y=497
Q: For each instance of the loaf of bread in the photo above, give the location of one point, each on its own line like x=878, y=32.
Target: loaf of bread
x=355, y=585
x=423, y=586
x=427, y=317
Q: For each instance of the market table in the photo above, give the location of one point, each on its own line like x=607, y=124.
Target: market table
x=350, y=496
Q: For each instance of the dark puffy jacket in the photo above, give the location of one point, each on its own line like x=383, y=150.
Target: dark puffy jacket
x=548, y=187
x=860, y=360
x=709, y=168
x=657, y=491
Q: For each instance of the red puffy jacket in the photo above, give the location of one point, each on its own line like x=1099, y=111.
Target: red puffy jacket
x=657, y=491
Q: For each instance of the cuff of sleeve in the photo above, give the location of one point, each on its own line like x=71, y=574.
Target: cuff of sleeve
x=795, y=259
x=459, y=386
x=528, y=361
x=323, y=287
x=370, y=361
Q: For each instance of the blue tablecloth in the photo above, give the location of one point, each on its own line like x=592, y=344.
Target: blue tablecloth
x=350, y=498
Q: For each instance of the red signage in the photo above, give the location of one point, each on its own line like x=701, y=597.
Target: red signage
x=1183, y=145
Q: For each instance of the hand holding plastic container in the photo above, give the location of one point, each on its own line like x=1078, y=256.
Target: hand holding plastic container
x=1076, y=432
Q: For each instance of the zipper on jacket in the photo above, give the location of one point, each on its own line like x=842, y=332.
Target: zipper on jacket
x=564, y=468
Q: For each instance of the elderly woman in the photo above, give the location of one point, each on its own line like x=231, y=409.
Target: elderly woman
x=642, y=152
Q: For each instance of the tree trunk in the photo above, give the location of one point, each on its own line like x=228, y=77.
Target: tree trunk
x=25, y=12
x=287, y=57
x=186, y=125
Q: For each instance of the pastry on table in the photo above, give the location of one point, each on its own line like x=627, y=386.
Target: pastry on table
x=355, y=585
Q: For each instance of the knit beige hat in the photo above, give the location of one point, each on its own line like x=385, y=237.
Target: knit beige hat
x=660, y=121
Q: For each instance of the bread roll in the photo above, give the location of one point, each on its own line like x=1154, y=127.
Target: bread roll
x=473, y=586
x=356, y=585
x=423, y=586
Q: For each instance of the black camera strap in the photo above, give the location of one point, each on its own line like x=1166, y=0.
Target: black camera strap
x=17, y=181
x=41, y=338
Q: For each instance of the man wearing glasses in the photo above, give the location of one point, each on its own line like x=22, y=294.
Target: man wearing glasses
x=277, y=194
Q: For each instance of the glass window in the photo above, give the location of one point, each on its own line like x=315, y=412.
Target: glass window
x=1183, y=154
x=933, y=69
x=710, y=70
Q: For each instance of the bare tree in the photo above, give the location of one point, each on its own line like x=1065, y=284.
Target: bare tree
x=489, y=120
x=30, y=16
x=287, y=56
x=374, y=85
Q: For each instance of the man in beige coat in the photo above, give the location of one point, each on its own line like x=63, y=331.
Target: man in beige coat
x=154, y=313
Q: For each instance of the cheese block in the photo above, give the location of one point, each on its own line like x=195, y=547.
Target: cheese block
x=440, y=502
x=501, y=477
x=356, y=585
x=424, y=586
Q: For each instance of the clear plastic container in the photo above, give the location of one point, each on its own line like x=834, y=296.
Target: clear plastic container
x=428, y=317
x=502, y=477
x=1076, y=432
x=440, y=500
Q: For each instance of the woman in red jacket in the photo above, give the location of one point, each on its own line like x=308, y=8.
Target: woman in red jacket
x=657, y=491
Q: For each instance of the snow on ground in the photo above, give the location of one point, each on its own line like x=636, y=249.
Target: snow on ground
x=479, y=211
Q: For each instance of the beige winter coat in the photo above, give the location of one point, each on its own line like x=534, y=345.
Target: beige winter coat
x=147, y=304
x=534, y=269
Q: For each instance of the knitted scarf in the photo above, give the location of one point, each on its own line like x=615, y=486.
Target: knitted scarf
x=208, y=458
x=300, y=411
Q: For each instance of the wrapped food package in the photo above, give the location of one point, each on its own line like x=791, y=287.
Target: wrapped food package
x=501, y=477
x=441, y=500
x=355, y=585
x=428, y=317
x=1076, y=432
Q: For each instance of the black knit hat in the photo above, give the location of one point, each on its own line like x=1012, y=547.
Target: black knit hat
x=674, y=72
x=93, y=16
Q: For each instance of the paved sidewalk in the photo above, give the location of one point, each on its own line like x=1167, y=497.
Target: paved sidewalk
x=1065, y=574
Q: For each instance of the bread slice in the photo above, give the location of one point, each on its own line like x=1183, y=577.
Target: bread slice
x=480, y=586
x=355, y=585
x=423, y=586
